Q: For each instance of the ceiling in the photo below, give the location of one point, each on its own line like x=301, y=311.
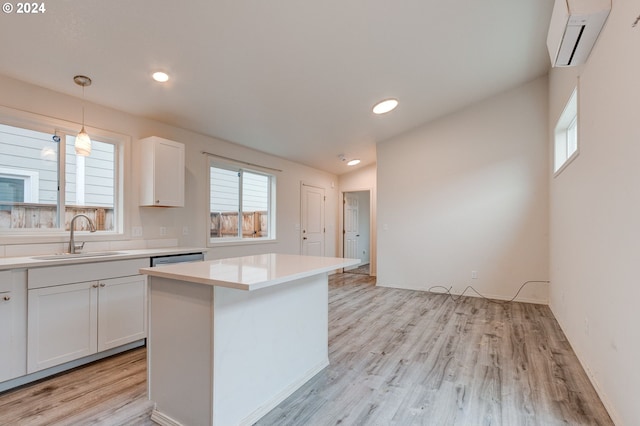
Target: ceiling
x=292, y=78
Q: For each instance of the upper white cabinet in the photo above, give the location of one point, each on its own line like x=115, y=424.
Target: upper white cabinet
x=161, y=172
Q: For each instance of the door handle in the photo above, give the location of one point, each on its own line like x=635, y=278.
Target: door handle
x=304, y=238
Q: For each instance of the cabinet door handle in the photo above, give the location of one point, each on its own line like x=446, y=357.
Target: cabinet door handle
x=102, y=284
x=95, y=286
x=6, y=298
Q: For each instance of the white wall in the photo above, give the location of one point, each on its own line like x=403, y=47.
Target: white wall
x=26, y=97
x=469, y=192
x=363, y=179
x=595, y=215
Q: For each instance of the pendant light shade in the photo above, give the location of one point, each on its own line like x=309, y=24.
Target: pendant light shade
x=83, y=141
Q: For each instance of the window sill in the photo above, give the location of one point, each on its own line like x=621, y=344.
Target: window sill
x=237, y=242
x=566, y=164
x=39, y=236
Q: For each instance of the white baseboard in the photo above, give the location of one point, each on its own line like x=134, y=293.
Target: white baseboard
x=163, y=419
x=278, y=398
x=615, y=417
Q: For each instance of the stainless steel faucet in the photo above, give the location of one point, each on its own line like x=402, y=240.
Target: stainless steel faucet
x=73, y=248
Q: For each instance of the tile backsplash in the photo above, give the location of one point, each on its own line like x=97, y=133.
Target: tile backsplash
x=23, y=250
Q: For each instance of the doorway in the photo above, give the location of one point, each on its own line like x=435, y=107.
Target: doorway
x=356, y=233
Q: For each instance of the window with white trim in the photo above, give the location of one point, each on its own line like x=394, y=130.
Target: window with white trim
x=566, y=134
x=43, y=183
x=241, y=204
x=18, y=186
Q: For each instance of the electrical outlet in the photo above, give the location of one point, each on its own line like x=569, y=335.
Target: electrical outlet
x=185, y=230
x=163, y=231
x=136, y=231
x=474, y=275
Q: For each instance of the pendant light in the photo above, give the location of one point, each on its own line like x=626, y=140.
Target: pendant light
x=83, y=142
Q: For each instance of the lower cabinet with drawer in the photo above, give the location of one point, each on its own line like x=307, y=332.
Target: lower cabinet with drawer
x=68, y=321
x=13, y=331
x=6, y=335
x=7, y=343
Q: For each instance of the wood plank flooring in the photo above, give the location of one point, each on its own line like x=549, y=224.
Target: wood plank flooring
x=401, y=357
x=362, y=269
x=398, y=357
x=112, y=391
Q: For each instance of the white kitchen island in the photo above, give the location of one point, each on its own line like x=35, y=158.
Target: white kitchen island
x=230, y=339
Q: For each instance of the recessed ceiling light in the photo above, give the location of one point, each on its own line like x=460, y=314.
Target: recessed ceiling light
x=353, y=162
x=385, y=106
x=160, y=77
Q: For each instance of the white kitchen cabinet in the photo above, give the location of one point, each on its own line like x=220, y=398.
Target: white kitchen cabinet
x=71, y=321
x=62, y=324
x=122, y=311
x=6, y=337
x=162, y=169
x=13, y=343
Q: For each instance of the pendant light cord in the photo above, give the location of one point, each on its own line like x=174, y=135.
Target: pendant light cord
x=83, y=108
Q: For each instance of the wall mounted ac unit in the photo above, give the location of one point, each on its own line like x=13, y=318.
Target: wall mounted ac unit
x=574, y=29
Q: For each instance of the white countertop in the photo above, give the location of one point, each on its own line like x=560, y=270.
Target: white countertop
x=34, y=262
x=250, y=272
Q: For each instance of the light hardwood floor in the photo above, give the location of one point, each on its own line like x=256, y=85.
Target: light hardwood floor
x=398, y=357
x=362, y=269
x=401, y=357
x=112, y=391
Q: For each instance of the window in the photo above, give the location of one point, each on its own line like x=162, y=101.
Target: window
x=43, y=183
x=18, y=186
x=566, y=134
x=240, y=204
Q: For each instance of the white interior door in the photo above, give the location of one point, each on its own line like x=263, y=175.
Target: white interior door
x=312, y=210
x=351, y=226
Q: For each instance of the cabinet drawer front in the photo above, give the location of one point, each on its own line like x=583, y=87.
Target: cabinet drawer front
x=64, y=274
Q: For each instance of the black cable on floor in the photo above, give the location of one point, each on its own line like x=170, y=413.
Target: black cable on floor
x=500, y=302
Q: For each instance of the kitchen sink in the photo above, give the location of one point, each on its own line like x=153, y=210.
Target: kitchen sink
x=59, y=256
